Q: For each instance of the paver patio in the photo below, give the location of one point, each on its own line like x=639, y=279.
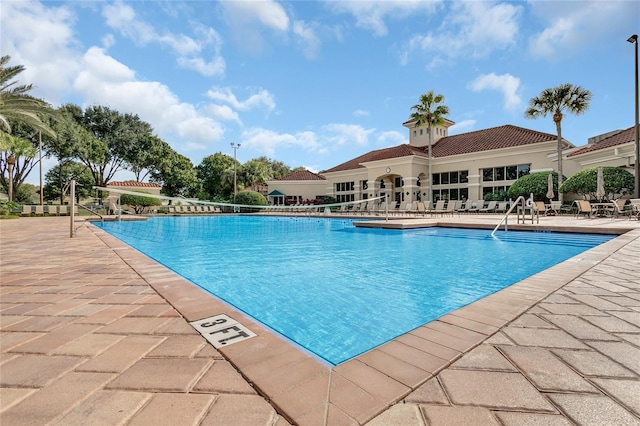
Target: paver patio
x=93, y=332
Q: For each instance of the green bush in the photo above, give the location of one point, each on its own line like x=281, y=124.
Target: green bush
x=617, y=182
x=139, y=202
x=251, y=198
x=500, y=195
x=536, y=183
x=7, y=207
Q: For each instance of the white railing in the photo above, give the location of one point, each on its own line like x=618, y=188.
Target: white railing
x=506, y=216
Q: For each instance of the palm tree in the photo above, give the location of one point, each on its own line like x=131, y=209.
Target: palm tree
x=429, y=112
x=565, y=97
x=16, y=104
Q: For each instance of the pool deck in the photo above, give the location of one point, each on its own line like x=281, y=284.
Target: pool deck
x=94, y=332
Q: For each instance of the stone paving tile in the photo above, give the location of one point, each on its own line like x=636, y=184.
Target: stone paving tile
x=150, y=375
x=546, y=371
x=622, y=352
x=593, y=363
x=429, y=393
x=178, y=346
x=627, y=392
x=398, y=415
x=613, y=324
x=221, y=377
x=593, y=410
x=579, y=328
x=509, y=391
x=544, y=338
x=105, y=408
x=55, y=338
x=12, y=396
x=484, y=357
x=441, y=416
x=173, y=409
x=240, y=410
x=51, y=402
x=122, y=355
x=531, y=419
x=34, y=371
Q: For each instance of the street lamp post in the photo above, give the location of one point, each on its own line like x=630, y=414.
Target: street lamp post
x=11, y=161
x=235, y=181
x=634, y=39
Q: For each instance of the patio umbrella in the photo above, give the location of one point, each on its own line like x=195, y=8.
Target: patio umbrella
x=600, y=184
x=550, y=193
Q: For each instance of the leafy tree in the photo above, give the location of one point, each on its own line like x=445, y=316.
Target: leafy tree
x=21, y=152
x=277, y=169
x=27, y=193
x=500, y=195
x=254, y=173
x=536, y=183
x=251, y=198
x=145, y=156
x=15, y=102
x=429, y=112
x=216, y=173
x=565, y=97
x=59, y=177
x=617, y=181
x=139, y=202
x=111, y=137
x=7, y=207
x=176, y=174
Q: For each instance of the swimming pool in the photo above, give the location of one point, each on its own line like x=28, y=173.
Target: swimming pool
x=337, y=290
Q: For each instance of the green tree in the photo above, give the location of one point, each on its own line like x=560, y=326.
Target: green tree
x=251, y=198
x=15, y=102
x=21, y=152
x=277, y=169
x=58, y=179
x=617, y=182
x=255, y=173
x=145, y=156
x=429, y=112
x=555, y=101
x=176, y=174
x=533, y=183
x=216, y=173
x=139, y=202
x=111, y=138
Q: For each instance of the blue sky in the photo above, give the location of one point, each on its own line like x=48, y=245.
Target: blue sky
x=315, y=84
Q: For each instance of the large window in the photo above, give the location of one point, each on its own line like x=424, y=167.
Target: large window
x=343, y=198
x=499, y=174
x=345, y=186
x=446, y=178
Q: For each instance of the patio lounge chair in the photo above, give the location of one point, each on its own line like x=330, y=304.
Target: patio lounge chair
x=39, y=210
x=502, y=207
x=439, y=208
x=62, y=210
x=619, y=207
x=26, y=210
x=476, y=206
x=584, y=208
x=540, y=208
x=491, y=207
x=52, y=210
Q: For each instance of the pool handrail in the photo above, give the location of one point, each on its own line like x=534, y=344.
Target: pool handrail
x=506, y=215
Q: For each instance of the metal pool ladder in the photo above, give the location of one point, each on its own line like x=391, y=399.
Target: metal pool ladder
x=520, y=199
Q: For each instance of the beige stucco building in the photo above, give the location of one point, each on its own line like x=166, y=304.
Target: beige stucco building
x=464, y=166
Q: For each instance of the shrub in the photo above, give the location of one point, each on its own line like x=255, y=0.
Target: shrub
x=251, y=198
x=617, y=182
x=7, y=207
x=139, y=202
x=500, y=195
x=535, y=183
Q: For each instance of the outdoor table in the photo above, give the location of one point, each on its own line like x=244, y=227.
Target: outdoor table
x=604, y=209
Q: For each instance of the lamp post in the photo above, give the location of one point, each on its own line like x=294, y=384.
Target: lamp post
x=634, y=40
x=11, y=160
x=235, y=181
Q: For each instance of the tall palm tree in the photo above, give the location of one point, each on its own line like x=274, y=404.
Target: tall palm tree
x=565, y=97
x=429, y=112
x=15, y=102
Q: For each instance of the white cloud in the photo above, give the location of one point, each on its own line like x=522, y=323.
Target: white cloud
x=307, y=38
x=371, y=14
x=40, y=39
x=575, y=26
x=261, y=99
x=471, y=28
x=360, y=113
x=247, y=19
x=392, y=138
x=189, y=51
x=105, y=81
x=463, y=126
x=340, y=134
x=506, y=84
x=329, y=138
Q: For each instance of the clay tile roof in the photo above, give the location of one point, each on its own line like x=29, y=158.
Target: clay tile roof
x=380, y=154
x=303, y=175
x=506, y=136
x=622, y=137
x=135, y=184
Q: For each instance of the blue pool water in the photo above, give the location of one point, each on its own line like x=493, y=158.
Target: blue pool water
x=337, y=290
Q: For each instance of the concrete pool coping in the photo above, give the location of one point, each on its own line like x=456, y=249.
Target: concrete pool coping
x=306, y=391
